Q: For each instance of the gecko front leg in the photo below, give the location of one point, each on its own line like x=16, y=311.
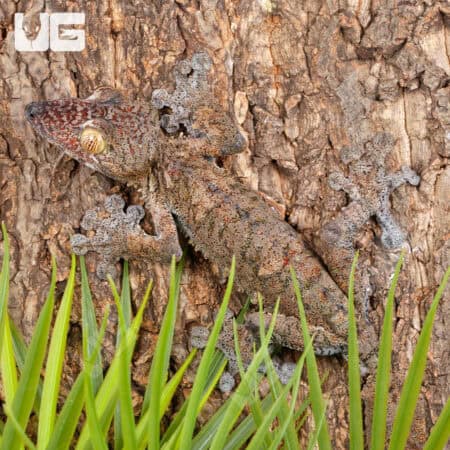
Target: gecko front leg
x=194, y=108
x=119, y=235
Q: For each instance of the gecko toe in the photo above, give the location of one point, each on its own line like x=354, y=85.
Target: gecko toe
x=114, y=204
x=198, y=337
x=80, y=244
x=226, y=383
x=135, y=214
x=105, y=268
x=90, y=220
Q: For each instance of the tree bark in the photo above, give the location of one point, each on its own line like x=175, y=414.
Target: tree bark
x=307, y=81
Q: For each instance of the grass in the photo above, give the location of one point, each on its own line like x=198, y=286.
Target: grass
x=100, y=400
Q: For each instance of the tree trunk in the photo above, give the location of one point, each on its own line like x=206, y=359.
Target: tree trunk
x=317, y=86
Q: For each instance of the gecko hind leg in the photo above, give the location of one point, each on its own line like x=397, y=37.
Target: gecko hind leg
x=287, y=333
x=119, y=235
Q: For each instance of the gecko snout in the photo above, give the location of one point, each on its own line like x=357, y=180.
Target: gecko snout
x=33, y=110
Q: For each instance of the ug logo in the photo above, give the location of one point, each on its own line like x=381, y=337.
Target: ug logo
x=50, y=36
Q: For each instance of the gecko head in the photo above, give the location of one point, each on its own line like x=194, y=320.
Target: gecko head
x=102, y=131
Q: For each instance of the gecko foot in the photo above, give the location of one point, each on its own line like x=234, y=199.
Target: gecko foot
x=287, y=334
x=119, y=235
x=193, y=108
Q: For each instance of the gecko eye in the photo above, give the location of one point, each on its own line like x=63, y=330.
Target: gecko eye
x=92, y=141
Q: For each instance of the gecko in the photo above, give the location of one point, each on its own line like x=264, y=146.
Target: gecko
x=168, y=150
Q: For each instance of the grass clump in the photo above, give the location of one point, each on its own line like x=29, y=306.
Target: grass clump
x=100, y=401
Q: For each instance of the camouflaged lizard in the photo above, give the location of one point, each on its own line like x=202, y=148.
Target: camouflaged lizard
x=167, y=150
x=140, y=145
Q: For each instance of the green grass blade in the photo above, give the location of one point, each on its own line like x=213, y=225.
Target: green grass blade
x=96, y=437
x=207, y=432
x=89, y=327
x=315, y=436
x=172, y=385
x=317, y=401
x=69, y=416
x=281, y=400
x=8, y=363
x=285, y=413
x=95, y=430
x=440, y=433
x=302, y=421
x=291, y=439
x=170, y=439
x=254, y=401
x=302, y=413
x=20, y=431
x=354, y=380
x=55, y=362
x=125, y=300
x=166, y=397
x=242, y=432
x=207, y=393
x=4, y=284
x=176, y=282
x=20, y=353
x=185, y=438
x=147, y=394
x=244, y=391
x=411, y=387
x=175, y=426
x=107, y=396
x=259, y=439
x=378, y=433
x=20, y=347
x=160, y=363
x=211, y=386
x=29, y=380
x=127, y=438
x=8, y=368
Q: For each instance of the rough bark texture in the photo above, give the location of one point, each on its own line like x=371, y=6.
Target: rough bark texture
x=307, y=80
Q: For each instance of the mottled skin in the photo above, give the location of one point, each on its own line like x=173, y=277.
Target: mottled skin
x=177, y=174
x=222, y=217
x=368, y=184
